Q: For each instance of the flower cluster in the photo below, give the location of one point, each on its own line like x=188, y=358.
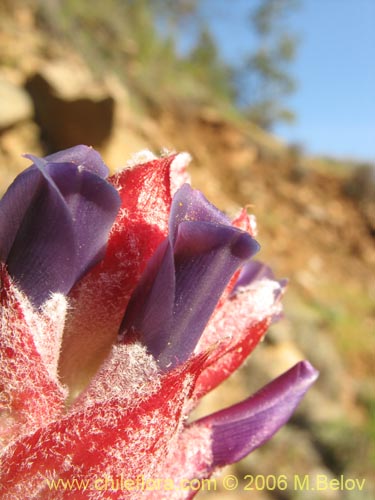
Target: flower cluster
x=123, y=301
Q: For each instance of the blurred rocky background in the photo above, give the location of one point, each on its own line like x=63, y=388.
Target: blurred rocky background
x=105, y=74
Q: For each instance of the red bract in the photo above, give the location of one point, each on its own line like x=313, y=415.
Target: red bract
x=174, y=306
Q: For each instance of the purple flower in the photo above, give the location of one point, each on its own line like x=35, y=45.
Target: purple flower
x=185, y=278
x=55, y=220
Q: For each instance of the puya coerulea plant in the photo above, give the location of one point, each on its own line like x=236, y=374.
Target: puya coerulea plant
x=124, y=300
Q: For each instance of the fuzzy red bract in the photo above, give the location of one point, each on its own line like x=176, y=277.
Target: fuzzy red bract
x=140, y=226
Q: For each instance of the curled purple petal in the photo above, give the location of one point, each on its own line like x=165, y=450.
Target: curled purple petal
x=240, y=429
x=54, y=224
x=180, y=290
x=191, y=205
x=93, y=205
x=205, y=257
x=83, y=156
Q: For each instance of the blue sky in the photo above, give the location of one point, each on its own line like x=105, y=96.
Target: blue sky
x=334, y=69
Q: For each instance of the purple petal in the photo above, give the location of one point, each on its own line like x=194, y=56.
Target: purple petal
x=253, y=271
x=206, y=257
x=41, y=256
x=181, y=288
x=13, y=207
x=93, y=205
x=240, y=429
x=191, y=205
x=83, y=156
x=149, y=312
x=54, y=223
